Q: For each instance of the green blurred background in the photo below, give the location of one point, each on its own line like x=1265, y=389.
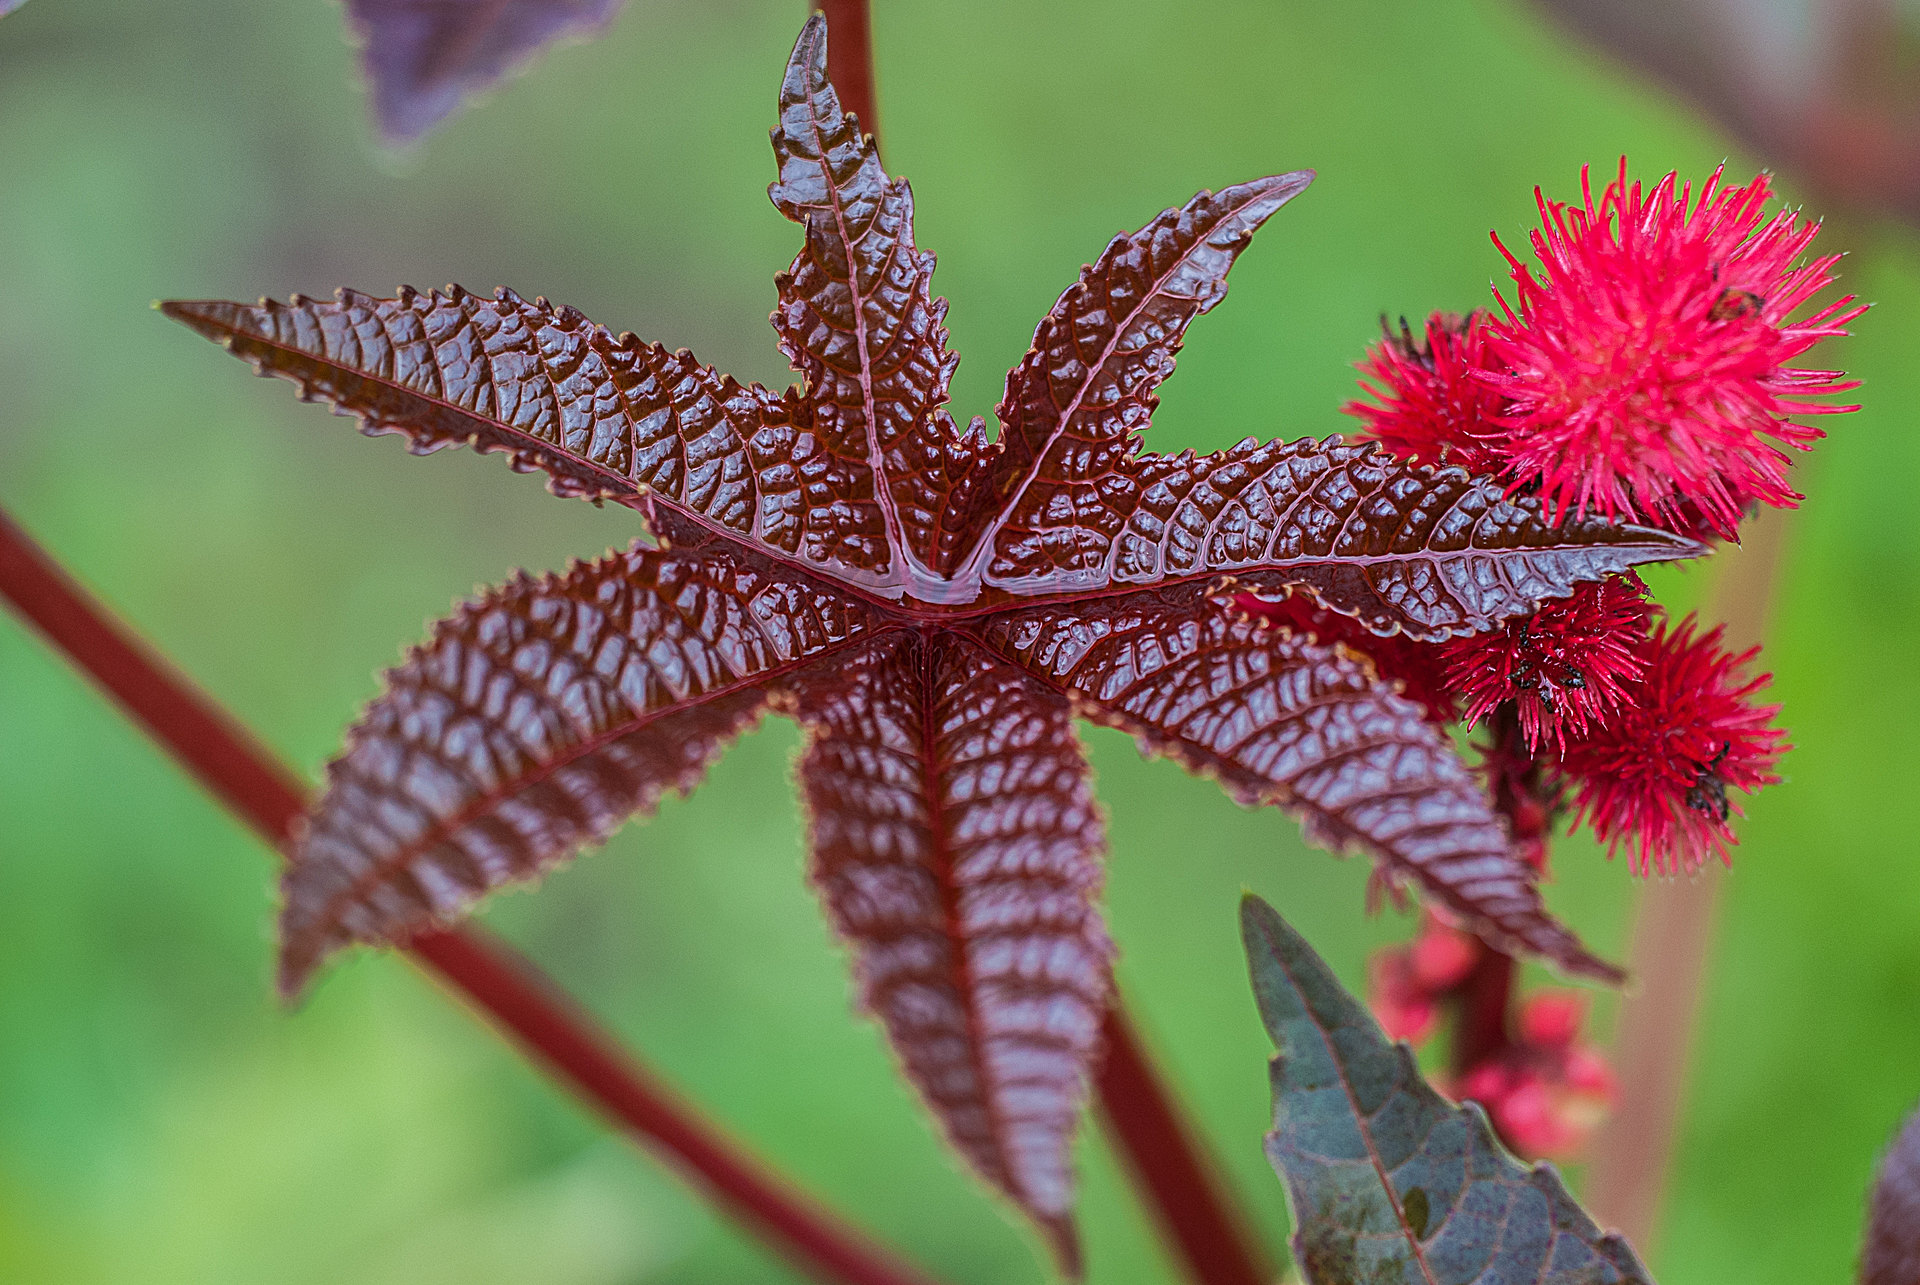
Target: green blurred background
x=163, y=1120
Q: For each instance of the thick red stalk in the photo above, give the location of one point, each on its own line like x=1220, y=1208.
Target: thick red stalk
x=850, y=59
x=1169, y=1166
x=236, y=769
x=1485, y=1001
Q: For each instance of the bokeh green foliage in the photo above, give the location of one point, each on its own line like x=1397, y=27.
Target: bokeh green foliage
x=162, y=1120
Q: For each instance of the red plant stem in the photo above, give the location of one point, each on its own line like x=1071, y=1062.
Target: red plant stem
x=1485, y=997
x=1485, y=1001
x=850, y=59
x=1169, y=1166
x=523, y=1004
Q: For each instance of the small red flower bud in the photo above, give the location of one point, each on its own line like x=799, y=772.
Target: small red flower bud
x=1588, y=1074
x=1544, y=1102
x=1441, y=957
x=1528, y=1117
x=1404, y=1009
x=1486, y=1083
x=1552, y=1019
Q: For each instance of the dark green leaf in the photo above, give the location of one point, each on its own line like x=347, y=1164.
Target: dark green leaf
x=1389, y=1182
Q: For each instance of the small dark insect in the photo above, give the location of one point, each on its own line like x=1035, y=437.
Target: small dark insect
x=1733, y=305
x=1709, y=792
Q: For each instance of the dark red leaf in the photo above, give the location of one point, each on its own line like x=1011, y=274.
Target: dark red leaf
x=535, y=721
x=858, y=320
x=1076, y=405
x=1403, y=547
x=956, y=843
x=1891, y=1254
x=423, y=57
x=605, y=417
x=1278, y=719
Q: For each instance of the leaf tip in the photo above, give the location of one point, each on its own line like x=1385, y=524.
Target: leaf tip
x=198, y=315
x=294, y=970
x=1064, y=1240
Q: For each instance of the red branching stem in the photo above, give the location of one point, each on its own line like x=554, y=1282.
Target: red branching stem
x=513, y=995
x=850, y=59
x=1169, y=1164
x=1485, y=1006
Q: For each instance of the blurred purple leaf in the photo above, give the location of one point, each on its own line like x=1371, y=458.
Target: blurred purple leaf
x=1891, y=1255
x=423, y=57
x=1825, y=91
x=8, y=6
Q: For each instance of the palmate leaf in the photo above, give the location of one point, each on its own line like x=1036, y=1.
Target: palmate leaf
x=1388, y=1182
x=1890, y=1254
x=956, y=843
x=933, y=609
x=1309, y=728
x=423, y=57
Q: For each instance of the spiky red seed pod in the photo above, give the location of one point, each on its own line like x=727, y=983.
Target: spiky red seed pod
x=1655, y=775
x=1646, y=370
x=1565, y=666
x=1428, y=405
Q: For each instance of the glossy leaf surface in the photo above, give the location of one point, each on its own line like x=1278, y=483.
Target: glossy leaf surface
x=1076, y=405
x=932, y=607
x=1401, y=547
x=1891, y=1253
x=535, y=721
x=1387, y=1180
x=858, y=320
x=423, y=57
x=956, y=842
x=1277, y=719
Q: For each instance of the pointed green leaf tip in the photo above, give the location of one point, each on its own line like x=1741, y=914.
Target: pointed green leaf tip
x=1389, y=1183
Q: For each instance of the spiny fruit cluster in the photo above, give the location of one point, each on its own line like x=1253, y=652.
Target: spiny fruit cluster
x=1642, y=371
